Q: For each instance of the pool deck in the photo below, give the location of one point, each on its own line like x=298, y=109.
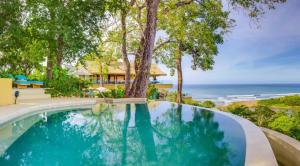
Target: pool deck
x=258, y=148
x=25, y=107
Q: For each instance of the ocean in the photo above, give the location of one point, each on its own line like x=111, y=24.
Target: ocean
x=227, y=93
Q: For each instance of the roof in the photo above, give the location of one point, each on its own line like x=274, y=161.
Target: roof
x=92, y=67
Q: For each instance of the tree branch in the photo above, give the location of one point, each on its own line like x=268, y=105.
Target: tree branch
x=161, y=45
x=183, y=3
x=179, y=4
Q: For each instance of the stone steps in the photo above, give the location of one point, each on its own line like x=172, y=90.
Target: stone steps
x=30, y=93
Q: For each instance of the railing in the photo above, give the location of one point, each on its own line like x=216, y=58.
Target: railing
x=112, y=84
x=123, y=82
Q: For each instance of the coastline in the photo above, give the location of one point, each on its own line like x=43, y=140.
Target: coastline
x=247, y=100
x=224, y=94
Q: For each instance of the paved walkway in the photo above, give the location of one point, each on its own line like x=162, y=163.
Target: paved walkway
x=23, y=107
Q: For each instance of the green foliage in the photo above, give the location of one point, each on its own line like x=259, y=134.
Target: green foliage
x=190, y=101
x=4, y=74
x=282, y=101
x=65, y=85
x=283, y=123
x=263, y=115
x=208, y=104
x=37, y=75
x=152, y=92
x=240, y=110
x=255, y=8
x=286, y=122
x=59, y=30
x=195, y=30
x=171, y=96
x=118, y=92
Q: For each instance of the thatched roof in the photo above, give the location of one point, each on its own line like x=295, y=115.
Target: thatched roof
x=83, y=72
x=92, y=67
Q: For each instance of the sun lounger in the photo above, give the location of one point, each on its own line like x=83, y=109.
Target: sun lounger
x=37, y=84
x=21, y=81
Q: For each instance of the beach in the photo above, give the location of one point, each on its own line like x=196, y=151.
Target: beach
x=224, y=94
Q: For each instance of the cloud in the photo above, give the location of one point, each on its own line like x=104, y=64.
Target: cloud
x=269, y=53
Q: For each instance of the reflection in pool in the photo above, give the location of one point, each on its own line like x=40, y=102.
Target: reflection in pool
x=158, y=133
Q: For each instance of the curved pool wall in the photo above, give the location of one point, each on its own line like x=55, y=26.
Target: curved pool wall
x=257, y=148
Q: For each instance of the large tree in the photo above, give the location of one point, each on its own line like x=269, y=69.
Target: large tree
x=71, y=28
x=68, y=29
x=140, y=83
x=194, y=30
x=254, y=8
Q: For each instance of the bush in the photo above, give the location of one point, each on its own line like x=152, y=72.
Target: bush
x=171, y=96
x=286, y=122
x=208, y=104
x=242, y=111
x=4, y=74
x=282, y=101
x=191, y=102
x=152, y=92
x=291, y=100
x=114, y=93
x=65, y=85
x=263, y=115
x=283, y=123
x=118, y=93
x=37, y=75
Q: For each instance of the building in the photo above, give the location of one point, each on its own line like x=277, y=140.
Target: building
x=114, y=75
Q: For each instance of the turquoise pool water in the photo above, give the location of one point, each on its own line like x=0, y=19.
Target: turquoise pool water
x=157, y=133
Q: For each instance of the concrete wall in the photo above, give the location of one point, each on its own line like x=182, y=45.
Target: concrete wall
x=286, y=149
x=6, y=91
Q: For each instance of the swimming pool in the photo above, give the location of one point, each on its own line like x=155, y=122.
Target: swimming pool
x=157, y=133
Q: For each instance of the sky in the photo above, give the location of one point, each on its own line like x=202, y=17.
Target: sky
x=263, y=52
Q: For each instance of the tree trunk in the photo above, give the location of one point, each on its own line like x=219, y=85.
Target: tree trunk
x=49, y=66
x=179, y=76
x=144, y=128
x=124, y=133
x=142, y=76
x=137, y=62
x=124, y=53
x=59, y=51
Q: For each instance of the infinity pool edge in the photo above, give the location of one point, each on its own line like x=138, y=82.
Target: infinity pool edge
x=258, y=148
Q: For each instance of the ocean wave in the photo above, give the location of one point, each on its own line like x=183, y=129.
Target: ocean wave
x=250, y=97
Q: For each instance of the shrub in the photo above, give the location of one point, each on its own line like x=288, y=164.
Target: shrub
x=283, y=123
x=152, y=92
x=291, y=100
x=65, y=85
x=4, y=74
x=263, y=115
x=37, y=75
x=282, y=101
x=240, y=110
x=191, y=102
x=208, y=104
x=171, y=96
x=295, y=131
x=286, y=122
x=269, y=102
x=118, y=93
